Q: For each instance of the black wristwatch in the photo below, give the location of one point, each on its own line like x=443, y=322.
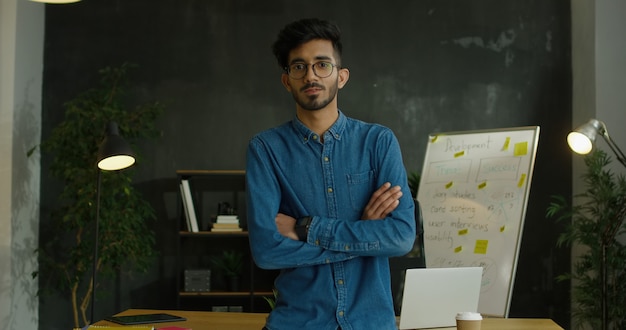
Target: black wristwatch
x=302, y=227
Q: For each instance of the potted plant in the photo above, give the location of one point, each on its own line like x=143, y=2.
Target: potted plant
x=418, y=247
x=230, y=263
x=66, y=256
x=596, y=222
x=271, y=301
x=414, y=183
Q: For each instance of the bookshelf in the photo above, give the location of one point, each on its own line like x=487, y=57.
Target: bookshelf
x=207, y=288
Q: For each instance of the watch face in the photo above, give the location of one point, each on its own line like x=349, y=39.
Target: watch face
x=304, y=221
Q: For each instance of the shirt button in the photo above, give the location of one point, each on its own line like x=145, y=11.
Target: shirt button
x=314, y=137
x=347, y=247
x=325, y=159
x=340, y=282
x=330, y=190
x=317, y=242
x=327, y=261
x=341, y=313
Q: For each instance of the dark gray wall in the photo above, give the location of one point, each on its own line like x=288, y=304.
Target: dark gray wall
x=416, y=66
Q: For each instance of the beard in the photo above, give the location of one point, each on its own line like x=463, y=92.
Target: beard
x=315, y=102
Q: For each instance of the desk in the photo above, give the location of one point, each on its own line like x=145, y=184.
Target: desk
x=255, y=321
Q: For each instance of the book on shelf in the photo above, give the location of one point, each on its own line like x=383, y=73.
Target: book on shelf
x=226, y=229
x=226, y=225
x=227, y=218
x=190, y=211
x=185, y=207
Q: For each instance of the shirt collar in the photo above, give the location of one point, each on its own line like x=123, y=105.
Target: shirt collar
x=336, y=130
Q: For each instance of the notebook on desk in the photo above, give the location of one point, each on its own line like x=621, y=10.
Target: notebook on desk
x=432, y=296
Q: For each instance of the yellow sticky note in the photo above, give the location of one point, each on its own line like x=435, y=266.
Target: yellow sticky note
x=521, y=149
x=449, y=185
x=458, y=249
x=482, y=185
x=502, y=228
x=434, y=138
x=463, y=231
x=506, y=144
x=481, y=246
x=459, y=154
x=521, y=181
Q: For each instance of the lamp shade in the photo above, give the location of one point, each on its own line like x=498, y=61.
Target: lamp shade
x=114, y=152
x=582, y=138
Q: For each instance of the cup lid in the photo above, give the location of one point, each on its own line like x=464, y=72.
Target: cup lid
x=470, y=316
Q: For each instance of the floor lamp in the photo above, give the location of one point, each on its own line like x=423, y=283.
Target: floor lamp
x=581, y=141
x=114, y=154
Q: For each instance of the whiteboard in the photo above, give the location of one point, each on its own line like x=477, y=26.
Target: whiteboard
x=473, y=192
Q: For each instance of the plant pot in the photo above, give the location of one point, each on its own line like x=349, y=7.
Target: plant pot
x=232, y=283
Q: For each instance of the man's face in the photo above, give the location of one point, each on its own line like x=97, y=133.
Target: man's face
x=312, y=92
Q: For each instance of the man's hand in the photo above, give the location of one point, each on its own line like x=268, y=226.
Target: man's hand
x=383, y=201
x=286, y=226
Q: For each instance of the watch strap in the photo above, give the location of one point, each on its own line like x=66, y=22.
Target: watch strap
x=302, y=227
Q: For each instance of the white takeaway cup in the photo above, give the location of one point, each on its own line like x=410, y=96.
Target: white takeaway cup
x=468, y=321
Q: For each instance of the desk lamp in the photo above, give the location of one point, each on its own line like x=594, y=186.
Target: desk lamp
x=581, y=141
x=114, y=154
x=582, y=138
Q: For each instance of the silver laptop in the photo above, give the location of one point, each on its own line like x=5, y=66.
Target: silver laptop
x=433, y=296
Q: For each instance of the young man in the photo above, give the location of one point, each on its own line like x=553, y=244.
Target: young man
x=328, y=199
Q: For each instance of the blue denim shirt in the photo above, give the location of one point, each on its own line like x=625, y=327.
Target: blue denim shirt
x=340, y=276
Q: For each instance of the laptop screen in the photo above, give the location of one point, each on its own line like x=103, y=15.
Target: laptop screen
x=433, y=296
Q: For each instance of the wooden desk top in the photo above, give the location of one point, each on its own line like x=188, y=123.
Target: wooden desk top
x=256, y=321
x=200, y=320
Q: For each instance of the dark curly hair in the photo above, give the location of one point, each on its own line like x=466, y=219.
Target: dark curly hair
x=296, y=33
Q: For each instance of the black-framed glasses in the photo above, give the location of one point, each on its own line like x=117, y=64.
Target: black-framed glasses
x=321, y=69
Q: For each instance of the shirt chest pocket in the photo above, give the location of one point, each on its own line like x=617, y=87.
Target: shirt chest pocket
x=360, y=188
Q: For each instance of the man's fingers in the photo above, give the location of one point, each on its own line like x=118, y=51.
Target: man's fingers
x=384, y=200
x=381, y=190
x=388, y=204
